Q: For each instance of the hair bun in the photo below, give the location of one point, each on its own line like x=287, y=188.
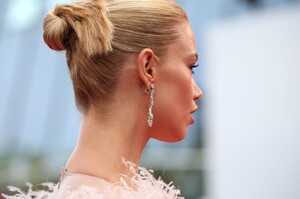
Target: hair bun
x=86, y=21
x=55, y=31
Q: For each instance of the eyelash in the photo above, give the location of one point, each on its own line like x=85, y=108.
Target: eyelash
x=192, y=67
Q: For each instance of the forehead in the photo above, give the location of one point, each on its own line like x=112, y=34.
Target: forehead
x=185, y=45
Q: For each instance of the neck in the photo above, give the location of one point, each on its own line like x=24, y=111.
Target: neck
x=105, y=141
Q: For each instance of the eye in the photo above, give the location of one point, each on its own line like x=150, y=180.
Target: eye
x=192, y=67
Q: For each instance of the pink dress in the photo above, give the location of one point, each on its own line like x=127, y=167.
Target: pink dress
x=81, y=186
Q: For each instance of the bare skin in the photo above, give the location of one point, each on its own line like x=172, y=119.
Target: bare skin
x=121, y=131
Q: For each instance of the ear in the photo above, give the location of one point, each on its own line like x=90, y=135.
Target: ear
x=146, y=65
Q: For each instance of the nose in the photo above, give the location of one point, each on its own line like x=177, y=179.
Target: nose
x=197, y=92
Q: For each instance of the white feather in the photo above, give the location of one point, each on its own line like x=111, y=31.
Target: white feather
x=144, y=186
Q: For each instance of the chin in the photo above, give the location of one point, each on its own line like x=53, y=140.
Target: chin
x=173, y=136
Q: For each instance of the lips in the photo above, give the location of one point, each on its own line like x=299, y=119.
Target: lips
x=194, y=110
x=192, y=120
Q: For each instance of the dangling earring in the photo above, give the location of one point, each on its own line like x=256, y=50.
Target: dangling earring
x=150, y=114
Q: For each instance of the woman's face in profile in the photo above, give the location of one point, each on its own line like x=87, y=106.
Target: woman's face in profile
x=175, y=89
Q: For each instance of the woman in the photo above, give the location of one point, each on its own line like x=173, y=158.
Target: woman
x=131, y=64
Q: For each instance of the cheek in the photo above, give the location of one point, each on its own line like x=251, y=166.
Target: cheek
x=176, y=83
x=173, y=102
x=173, y=97
x=181, y=90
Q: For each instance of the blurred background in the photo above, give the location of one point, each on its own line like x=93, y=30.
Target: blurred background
x=246, y=138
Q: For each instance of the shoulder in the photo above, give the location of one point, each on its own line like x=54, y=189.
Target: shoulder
x=53, y=191
x=144, y=186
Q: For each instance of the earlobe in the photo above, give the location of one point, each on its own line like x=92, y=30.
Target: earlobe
x=146, y=65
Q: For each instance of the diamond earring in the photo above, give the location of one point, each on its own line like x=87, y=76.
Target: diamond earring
x=151, y=103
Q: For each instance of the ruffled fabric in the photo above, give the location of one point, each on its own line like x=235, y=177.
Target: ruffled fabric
x=143, y=185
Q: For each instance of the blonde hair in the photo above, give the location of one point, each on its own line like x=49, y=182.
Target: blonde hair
x=99, y=35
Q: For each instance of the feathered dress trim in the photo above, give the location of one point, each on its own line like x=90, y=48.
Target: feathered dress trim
x=143, y=186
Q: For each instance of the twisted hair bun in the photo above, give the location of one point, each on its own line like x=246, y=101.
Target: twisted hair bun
x=86, y=23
